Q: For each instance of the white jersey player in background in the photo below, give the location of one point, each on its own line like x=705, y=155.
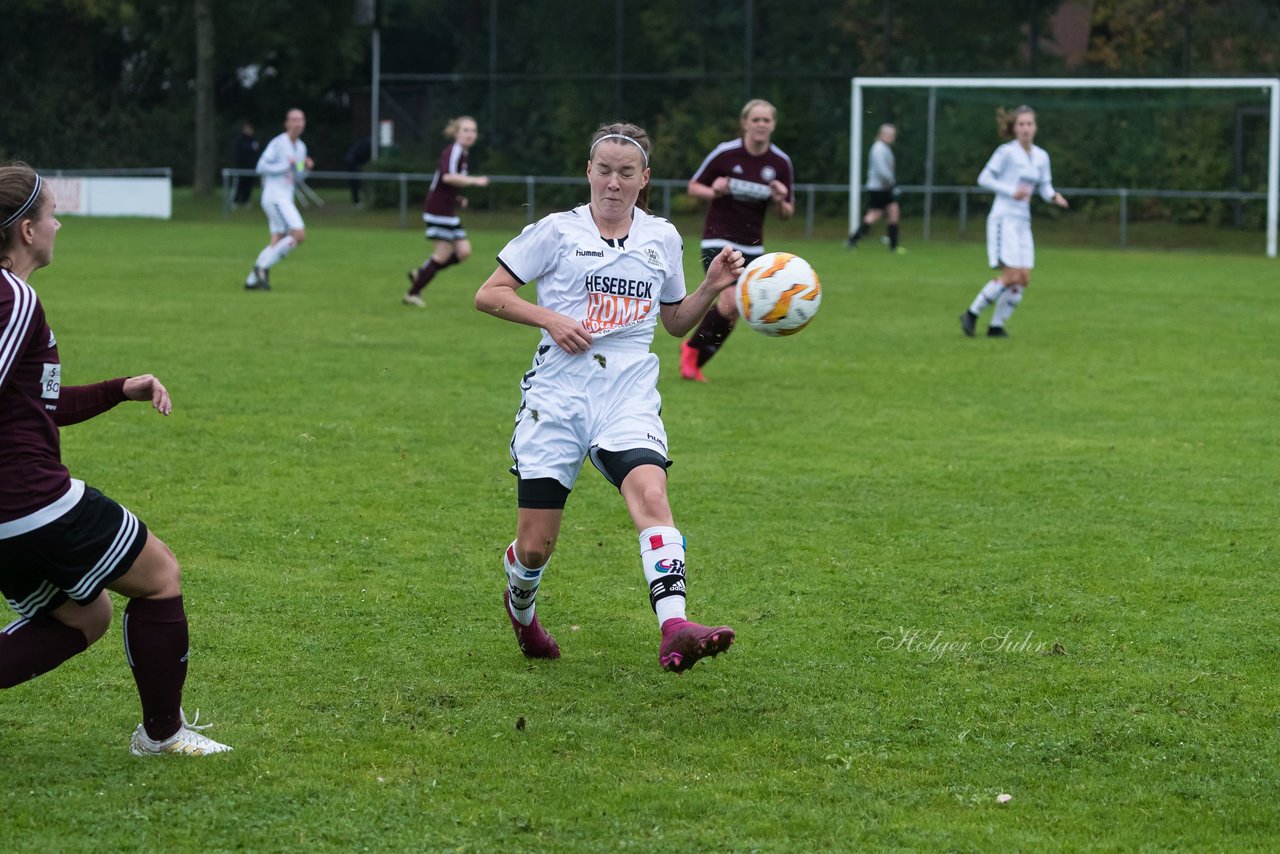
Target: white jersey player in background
x=283, y=162
x=607, y=272
x=1017, y=169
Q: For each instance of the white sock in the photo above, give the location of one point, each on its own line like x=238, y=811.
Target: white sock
x=662, y=554
x=271, y=255
x=1006, y=304
x=990, y=293
x=522, y=583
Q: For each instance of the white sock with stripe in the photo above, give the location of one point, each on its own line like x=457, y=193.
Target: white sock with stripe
x=1006, y=304
x=662, y=554
x=271, y=255
x=522, y=584
x=990, y=293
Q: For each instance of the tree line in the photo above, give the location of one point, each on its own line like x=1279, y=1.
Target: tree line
x=114, y=83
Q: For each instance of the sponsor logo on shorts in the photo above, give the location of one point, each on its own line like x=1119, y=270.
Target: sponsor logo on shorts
x=653, y=438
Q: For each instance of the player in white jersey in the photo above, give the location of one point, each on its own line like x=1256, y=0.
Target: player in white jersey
x=1017, y=169
x=283, y=162
x=607, y=272
x=882, y=190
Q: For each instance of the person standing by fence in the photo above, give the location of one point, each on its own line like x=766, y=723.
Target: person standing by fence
x=882, y=190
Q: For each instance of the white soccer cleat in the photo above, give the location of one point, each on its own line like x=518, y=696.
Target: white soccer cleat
x=185, y=742
x=414, y=299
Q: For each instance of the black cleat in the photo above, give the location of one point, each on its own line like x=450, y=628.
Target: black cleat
x=996, y=332
x=967, y=322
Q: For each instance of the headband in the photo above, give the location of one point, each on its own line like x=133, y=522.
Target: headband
x=25, y=206
x=623, y=137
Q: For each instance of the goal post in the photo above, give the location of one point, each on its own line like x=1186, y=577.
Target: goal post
x=1270, y=86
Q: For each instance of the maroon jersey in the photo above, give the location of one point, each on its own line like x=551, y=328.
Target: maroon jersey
x=34, y=484
x=737, y=219
x=442, y=198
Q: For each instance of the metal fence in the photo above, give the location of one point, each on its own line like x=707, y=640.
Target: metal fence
x=806, y=194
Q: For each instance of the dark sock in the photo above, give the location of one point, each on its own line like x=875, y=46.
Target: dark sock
x=31, y=647
x=428, y=271
x=156, y=645
x=712, y=332
x=893, y=236
x=425, y=274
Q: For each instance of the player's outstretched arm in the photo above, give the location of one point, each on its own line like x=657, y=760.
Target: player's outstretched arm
x=147, y=387
x=724, y=271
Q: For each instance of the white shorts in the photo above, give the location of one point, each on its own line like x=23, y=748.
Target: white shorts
x=444, y=228
x=606, y=398
x=282, y=215
x=1009, y=243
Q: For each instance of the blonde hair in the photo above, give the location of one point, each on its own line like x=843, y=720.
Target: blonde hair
x=752, y=104
x=1005, y=120
x=451, y=127
x=17, y=183
x=636, y=134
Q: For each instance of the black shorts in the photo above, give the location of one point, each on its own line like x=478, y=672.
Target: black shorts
x=709, y=254
x=878, y=200
x=73, y=557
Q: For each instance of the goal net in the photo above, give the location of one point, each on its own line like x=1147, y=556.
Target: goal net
x=1147, y=161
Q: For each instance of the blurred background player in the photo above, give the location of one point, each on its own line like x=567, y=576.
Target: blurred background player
x=245, y=156
x=283, y=161
x=1016, y=169
x=62, y=543
x=356, y=156
x=882, y=190
x=741, y=178
x=607, y=272
x=440, y=208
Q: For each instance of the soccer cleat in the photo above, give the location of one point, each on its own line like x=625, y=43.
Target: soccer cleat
x=533, y=639
x=185, y=742
x=689, y=369
x=898, y=250
x=684, y=643
x=996, y=332
x=413, y=299
x=852, y=242
x=968, y=321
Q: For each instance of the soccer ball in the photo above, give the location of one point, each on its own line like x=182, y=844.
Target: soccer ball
x=778, y=294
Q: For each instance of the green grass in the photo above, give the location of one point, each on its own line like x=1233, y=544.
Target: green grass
x=868, y=503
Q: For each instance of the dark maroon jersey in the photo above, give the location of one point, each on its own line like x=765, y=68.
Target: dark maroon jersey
x=442, y=198
x=33, y=403
x=737, y=219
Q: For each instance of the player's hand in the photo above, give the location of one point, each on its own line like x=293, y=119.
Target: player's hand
x=1060, y=200
x=725, y=268
x=569, y=334
x=1022, y=193
x=482, y=180
x=147, y=387
x=311, y=164
x=720, y=186
x=462, y=202
x=777, y=190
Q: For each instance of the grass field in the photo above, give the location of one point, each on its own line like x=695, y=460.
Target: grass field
x=1042, y=566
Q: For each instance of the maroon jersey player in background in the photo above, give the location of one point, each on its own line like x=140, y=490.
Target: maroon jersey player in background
x=440, y=208
x=62, y=543
x=742, y=178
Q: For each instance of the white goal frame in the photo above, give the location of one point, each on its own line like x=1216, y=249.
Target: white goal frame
x=1270, y=85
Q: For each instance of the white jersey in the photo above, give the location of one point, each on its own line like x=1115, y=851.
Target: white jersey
x=1012, y=167
x=880, y=166
x=282, y=161
x=615, y=291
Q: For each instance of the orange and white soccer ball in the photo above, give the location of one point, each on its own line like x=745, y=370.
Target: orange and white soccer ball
x=778, y=294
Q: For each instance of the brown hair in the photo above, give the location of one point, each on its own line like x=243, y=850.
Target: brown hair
x=451, y=127
x=1005, y=120
x=641, y=137
x=17, y=180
